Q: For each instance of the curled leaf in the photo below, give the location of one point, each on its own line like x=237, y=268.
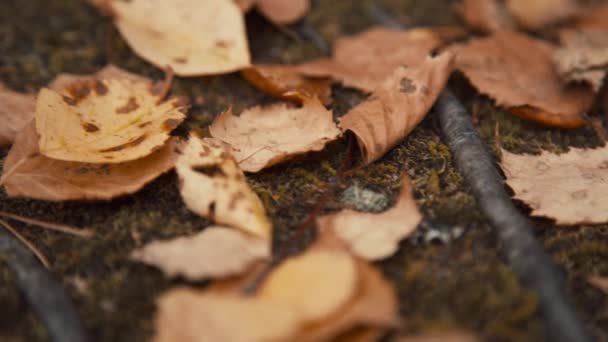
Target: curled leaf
x=263, y=136
x=397, y=106
x=16, y=110
x=213, y=186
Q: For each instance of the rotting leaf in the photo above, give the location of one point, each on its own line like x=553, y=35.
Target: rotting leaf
x=16, y=110
x=397, y=106
x=263, y=136
x=486, y=15
x=279, y=12
x=536, y=14
x=583, y=56
x=192, y=37
x=494, y=66
x=570, y=187
x=216, y=252
x=104, y=120
x=365, y=60
x=212, y=185
x=376, y=236
x=285, y=82
x=43, y=178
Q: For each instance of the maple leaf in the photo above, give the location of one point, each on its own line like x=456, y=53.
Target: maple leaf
x=16, y=110
x=376, y=236
x=213, y=253
x=397, y=106
x=192, y=37
x=264, y=136
x=569, y=188
x=213, y=186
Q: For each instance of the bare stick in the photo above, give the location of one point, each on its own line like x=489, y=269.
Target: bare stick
x=166, y=85
x=82, y=232
x=29, y=244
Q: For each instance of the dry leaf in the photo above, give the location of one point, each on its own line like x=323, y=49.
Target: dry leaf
x=570, y=188
x=16, y=110
x=599, y=282
x=43, y=178
x=365, y=60
x=536, y=14
x=108, y=120
x=213, y=186
x=486, y=15
x=285, y=82
x=264, y=136
x=215, y=252
x=191, y=316
x=65, y=81
x=192, y=37
x=280, y=12
x=440, y=337
x=397, y=106
x=594, y=19
x=583, y=56
x=376, y=236
x=496, y=65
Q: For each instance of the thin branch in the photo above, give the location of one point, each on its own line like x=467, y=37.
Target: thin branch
x=43, y=260
x=82, y=232
x=166, y=85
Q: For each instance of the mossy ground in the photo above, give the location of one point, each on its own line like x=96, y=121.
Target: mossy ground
x=463, y=284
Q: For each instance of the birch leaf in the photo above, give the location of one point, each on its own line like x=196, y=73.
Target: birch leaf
x=104, y=121
x=213, y=186
x=192, y=37
x=263, y=136
x=16, y=110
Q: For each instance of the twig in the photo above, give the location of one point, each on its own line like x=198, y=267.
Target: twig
x=45, y=295
x=82, y=232
x=15, y=167
x=525, y=255
x=166, y=85
x=43, y=260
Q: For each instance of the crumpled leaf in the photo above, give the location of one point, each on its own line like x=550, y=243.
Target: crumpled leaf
x=397, y=106
x=570, y=187
x=365, y=60
x=192, y=37
x=215, y=252
x=280, y=12
x=108, y=120
x=376, y=236
x=486, y=15
x=285, y=82
x=583, y=56
x=494, y=66
x=16, y=110
x=213, y=186
x=43, y=178
x=536, y=14
x=264, y=136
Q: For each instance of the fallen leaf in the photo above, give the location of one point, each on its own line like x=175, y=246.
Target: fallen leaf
x=65, y=81
x=108, y=120
x=285, y=82
x=192, y=37
x=365, y=60
x=16, y=110
x=280, y=12
x=494, y=66
x=376, y=236
x=397, y=106
x=264, y=136
x=486, y=15
x=216, y=252
x=594, y=18
x=187, y=315
x=570, y=187
x=439, y=337
x=213, y=186
x=43, y=178
x=599, y=282
x=583, y=56
x=536, y=14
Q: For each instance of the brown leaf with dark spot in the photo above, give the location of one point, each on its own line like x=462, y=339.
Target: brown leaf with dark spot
x=397, y=106
x=495, y=65
x=16, y=110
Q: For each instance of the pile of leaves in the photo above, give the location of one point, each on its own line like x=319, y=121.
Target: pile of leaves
x=101, y=136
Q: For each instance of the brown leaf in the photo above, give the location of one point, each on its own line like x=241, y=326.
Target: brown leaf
x=109, y=120
x=495, y=65
x=594, y=19
x=376, y=236
x=43, y=178
x=213, y=186
x=283, y=12
x=583, y=56
x=486, y=15
x=440, y=337
x=264, y=136
x=216, y=252
x=285, y=82
x=16, y=110
x=570, y=188
x=365, y=60
x=192, y=37
x=599, y=282
x=535, y=15
x=397, y=106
